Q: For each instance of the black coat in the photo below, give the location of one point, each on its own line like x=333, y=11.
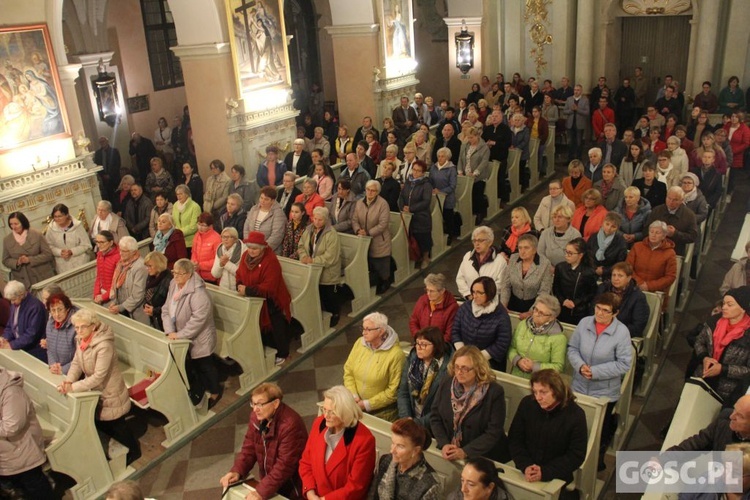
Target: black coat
x=159, y=297
x=578, y=285
x=503, y=138
x=288, y=205
x=634, y=310
x=617, y=251
x=710, y=185
x=390, y=191
x=453, y=144
x=619, y=151
x=137, y=215
x=657, y=193
x=304, y=164
x=236, y=221
x=418, y=196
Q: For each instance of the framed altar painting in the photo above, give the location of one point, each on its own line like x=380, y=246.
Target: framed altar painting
x=258, y=40
x=398, y=35
x=31, y=101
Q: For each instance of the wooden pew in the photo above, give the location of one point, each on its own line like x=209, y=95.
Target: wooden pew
x=337, y=169
x=684, y=288
x=672, y=305
x=699, y=405
x=241, y=491
x=400, y=247
x=514, y=172
x=143, y=351
x=79, y=282
x=449, y=473
x=648, y=345
x=533, y=162
x=354, y=260
x=549, y=150
x=68, y=426
x=490, y=190
x=463, y=204
x=237, y=321
x=302, y=280
x=439, y=238
x=742, y=239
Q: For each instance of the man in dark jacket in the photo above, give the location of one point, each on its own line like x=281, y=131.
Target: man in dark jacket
x=109, y=158
x=142, y=150
x=275, y=439
x=730, y=426
x=447, y=139
x=613, y=149
x=681, y=226
x=137, y=213
x=499, y=138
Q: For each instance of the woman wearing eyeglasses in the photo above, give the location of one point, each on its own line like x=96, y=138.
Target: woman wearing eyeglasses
x=575, y=282
x=528, y=274
x=107, y=257
x=483, y=260
x=275, y=440
x=538, y=342
x=60, y=338
x=600, y=353
x=469, y=410
x=437, y=307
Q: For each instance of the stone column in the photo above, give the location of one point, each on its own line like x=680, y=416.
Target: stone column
x=68, y=77
x=460, y=85
x=705, y=49
x=736, y=51
x=585, y=43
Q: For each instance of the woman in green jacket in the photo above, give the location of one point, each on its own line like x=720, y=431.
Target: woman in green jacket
x=185, y=214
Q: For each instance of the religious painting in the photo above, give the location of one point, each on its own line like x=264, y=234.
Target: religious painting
x=31, y=103
x=396, y=20
x=258, y=39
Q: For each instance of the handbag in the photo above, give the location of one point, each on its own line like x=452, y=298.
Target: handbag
x=415, y=253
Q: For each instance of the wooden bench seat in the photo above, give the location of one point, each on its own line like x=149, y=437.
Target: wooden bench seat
x=464, y=186
x=354, y=261
x=439, y=238
x=514, y=173
x=490, y=189
x=400, y=246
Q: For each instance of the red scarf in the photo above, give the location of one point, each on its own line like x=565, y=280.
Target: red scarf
x=725, y=334
x=512, y=240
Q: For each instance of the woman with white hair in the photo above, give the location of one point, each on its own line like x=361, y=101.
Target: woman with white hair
x=228, y=259
x=538, y=341
x=483, y=260
x=27, y=324
x=107, y=220
x=372, y=218
x=680, y=159
x=169, y=240
x=391, y=156
x=185, y=214
x=444, y=179
x=654, y=260
x=129, y=282
x=372, y=372
x=339, y=458
x=473, y=161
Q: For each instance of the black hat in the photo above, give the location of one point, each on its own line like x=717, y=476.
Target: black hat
x=741, y=295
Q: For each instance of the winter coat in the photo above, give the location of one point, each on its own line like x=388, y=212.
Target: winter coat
x=575, y=194
x=154, y=218
x=227, y=275
x=521, y=141
x=117, y=227
x=488, y=328
x=358, y=178
x=41, y=265
x=74, y=239
x=276, y=450
x=21, y=439
x=657, y=268
x=327, y=252
x=469, y=270
x=699, y=206
x=417, y=195
x=158, y=299
x=616, y=252
x=266, y=281
x=555, y=440
x=204, y=251
x=342, y=223
x=137, y=214
x=187, y=220
x=637, y=224
x=32, y=326
x=101, y=372
x=161, y=182
x=480, y=159
x=375, y=220
x=735, y=360
x=442, y=317
x=657, y=192
x=292, y=235
x=445, y=180
x=482, y=427
x=578, y=285
x=547, y=349
x=609, y=356
x=236, y=220
x=105, y=270
x=739, y=142
x=735, y=277
x=191, y=316
x=634, y=310
x=61, y=342
x=553, y=247
x=406, y=400
x=272, y=226
x=616, y=194
x=543, y=214
x=176, y=248
x=711, y=184
x=419, y=481
x=594, y=222
x=130, y=296
x=374, y=374
x=519, y=290
x=216, y=193
x=195, y=185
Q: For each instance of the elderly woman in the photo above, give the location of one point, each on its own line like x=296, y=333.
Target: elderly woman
x=576, y=184
x=480, y=481
x=722, y=348
x=60, y=336
x=348, y=471
x=95, y=368
x=553, y=241
x=528, y=274
x=415, y=199
x=611, y=187
x=169, y=240
x=548, y=437
x=443, y=177
x=67, y=239
x=259, y=275
x=241, y=187
x=520, y=224
x=654, y=260
x=271, y=170
x=205, y=243
x=484, y=322
x=437, y=307
x=227, y=259
x=679, y=159
x=425, y=367
x=309, y=197
x=129, y=282
x=391, y=156
x=372, y=371
x=634, y=309
x=233, y=215
x=342, y=206
x=694, y=198
x=520, y=143
x=575, y=282
x=556, y=197
x=737, y=274
x=608, y=247
x=27, y=324
x=26, y=252
x=538, y=341
x=589, y=217
x=404, y=473
x=319, y=244
x=109, y=221
x=634, y=212
x=372, y=218
x=651, y=189
x=107, y=257
x=600, y=354
x=185, y=214
x=295, y=226
x=630, y=167
x=390, y=189
x=188, y=314
x=217, y=188
x=473, y=161
x=483, y=260
x=161, y=206
x=121, y=194
x=469, y=411
x=157, y=288
x=159, y=180
x=192, y=179
x=268, y=218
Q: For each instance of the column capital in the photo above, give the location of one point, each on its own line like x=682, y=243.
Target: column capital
x=69, y=72
x=459, y=21
x=89, y=60
x=201, y=51
x=345, y=30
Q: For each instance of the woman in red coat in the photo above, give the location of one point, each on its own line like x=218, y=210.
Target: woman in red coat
x=436, y=307
x=589, y=217
x=259, y=275
x=169, y=240
x=350, y=447
x=106, y=260
x=739, y=139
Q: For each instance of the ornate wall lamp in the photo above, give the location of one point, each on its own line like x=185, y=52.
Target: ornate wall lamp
x=105, y=90
x=464, y=50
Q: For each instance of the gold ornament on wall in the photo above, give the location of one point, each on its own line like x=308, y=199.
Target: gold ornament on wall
x=655, y=7
x=535, y=17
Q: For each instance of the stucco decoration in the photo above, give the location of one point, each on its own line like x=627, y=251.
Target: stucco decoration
x=655, y=7
x=535, y=16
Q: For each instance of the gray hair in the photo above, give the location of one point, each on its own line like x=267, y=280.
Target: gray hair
x=659, y=224
x=311, y=182
x=290, y=175
x=344, y=405
x=596, y=150
x=551, y=302
x=84, y=315
x=185, y=265
x=673, y=139
x=483, y=230
x=232, y=231
x=14, y=289
x=321, y=212
x=183, y=188
x=530, y=238
x=105, y=205
x=236, y=197
x=128, y=243
x=373, y=183
x=445, y=151
x=437, y=280
x=391, y=148
x=51, y=289
x=676, y=190
x=299, y=142
x=379, y=319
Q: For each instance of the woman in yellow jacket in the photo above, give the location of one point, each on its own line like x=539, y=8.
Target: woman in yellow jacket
x=372, y=372
x=185, y=214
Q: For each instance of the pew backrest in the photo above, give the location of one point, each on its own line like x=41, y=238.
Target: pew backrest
x=302, y=281
x=697, y=408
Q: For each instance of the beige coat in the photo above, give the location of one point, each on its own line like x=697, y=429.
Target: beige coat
x=98, y=364
x=21, y=440
x=327, y=253
x=74, y=239
x=375, y=220
x=40, y=254
x=217, y=191
x=191, y=317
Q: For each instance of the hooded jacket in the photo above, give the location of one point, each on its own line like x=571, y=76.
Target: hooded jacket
x=657, y=268
x=74, y=239
x=21, y=439
x=191, y=317
x=547, y=348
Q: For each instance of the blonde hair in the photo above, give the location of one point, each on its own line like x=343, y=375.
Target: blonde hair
x=482, y=369
x=344, y=405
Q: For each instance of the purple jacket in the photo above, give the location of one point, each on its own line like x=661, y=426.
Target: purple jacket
x=30, y=329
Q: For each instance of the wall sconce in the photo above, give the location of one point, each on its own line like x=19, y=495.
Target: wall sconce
x=105, y=90
x=464, y=50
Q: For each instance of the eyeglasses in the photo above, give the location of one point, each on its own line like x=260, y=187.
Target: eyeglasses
x=328, y=413
x=431, y=291
x=568, y=252
x=478, y=292
x=82, y=327
x=479, y=240
x=536, y=310
x=102, y=242
x=602, y=310
x=422, y=345
x=178, y=273
x=463, y=369
x=55, y=310
x=371, y=329
x=259, y=406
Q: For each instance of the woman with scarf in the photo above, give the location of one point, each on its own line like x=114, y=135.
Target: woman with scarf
x=437, y=307
x=60, y=338
x=538, y=342
x=611, y=187
x=528, y=274
x=227, y=259
x=404, y=474
x=295, y=226
x=444, y=179
x=722, y=348
x=634, y=309
x=129, y=282
x=415, y=199
x=259, y=275
x=185, y=214
x=68, y=240
x=161, y=206
x=520, y=224
x=469, y=411
x=157, y=288
x=107, y=257
x=630, y=167
x=26, y=252
x=588, y=218
x=169, y=240
x=576, y=184
x=575, y=282
x=484, y=322
x=665, y=171
x=425, y=367
x=121, y=194
x=609, y=246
